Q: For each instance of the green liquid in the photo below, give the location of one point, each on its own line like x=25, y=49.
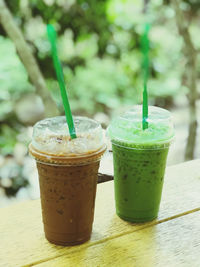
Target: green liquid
x=138, y=180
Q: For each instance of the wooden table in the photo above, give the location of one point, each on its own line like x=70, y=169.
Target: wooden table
x=171, y=240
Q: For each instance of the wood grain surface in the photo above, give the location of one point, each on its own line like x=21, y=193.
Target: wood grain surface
x=175, y=243
x=22, y=241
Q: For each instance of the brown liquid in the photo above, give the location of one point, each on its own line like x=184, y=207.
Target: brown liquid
x=68, y=200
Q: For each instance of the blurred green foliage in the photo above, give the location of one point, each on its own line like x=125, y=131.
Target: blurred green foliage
x=99, y=47
x=13, y=178
x=13, y=78
x=13, y=84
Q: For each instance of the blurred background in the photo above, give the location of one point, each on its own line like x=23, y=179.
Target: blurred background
x=99, y=46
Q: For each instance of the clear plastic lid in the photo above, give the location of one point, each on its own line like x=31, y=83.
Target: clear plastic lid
x=127, y=128
x=51, y=139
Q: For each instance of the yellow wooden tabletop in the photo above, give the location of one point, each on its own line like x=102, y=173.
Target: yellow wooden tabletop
x=171, y=240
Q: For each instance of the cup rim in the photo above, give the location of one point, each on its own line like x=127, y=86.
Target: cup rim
x=144, y=146
x=82, y=159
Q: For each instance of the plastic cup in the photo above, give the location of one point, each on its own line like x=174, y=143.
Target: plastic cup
x=139, y=158
x=67, y=171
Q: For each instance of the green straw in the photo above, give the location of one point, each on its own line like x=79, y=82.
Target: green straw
x=59, y=72
x=145, y=51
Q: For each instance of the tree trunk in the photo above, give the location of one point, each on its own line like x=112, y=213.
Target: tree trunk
x=27, y=58
x=191, y=141
x=145, y=6
x=191, y=78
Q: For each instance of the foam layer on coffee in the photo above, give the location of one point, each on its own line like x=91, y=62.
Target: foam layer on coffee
x=51, y=136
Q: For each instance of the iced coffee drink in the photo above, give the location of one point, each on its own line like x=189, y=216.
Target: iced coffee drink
x=67, y=171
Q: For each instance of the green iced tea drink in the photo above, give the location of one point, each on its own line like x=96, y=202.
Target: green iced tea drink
x=139, y=162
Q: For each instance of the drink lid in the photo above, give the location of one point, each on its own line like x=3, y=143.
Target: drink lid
x=128, y=127
x=51, y=140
